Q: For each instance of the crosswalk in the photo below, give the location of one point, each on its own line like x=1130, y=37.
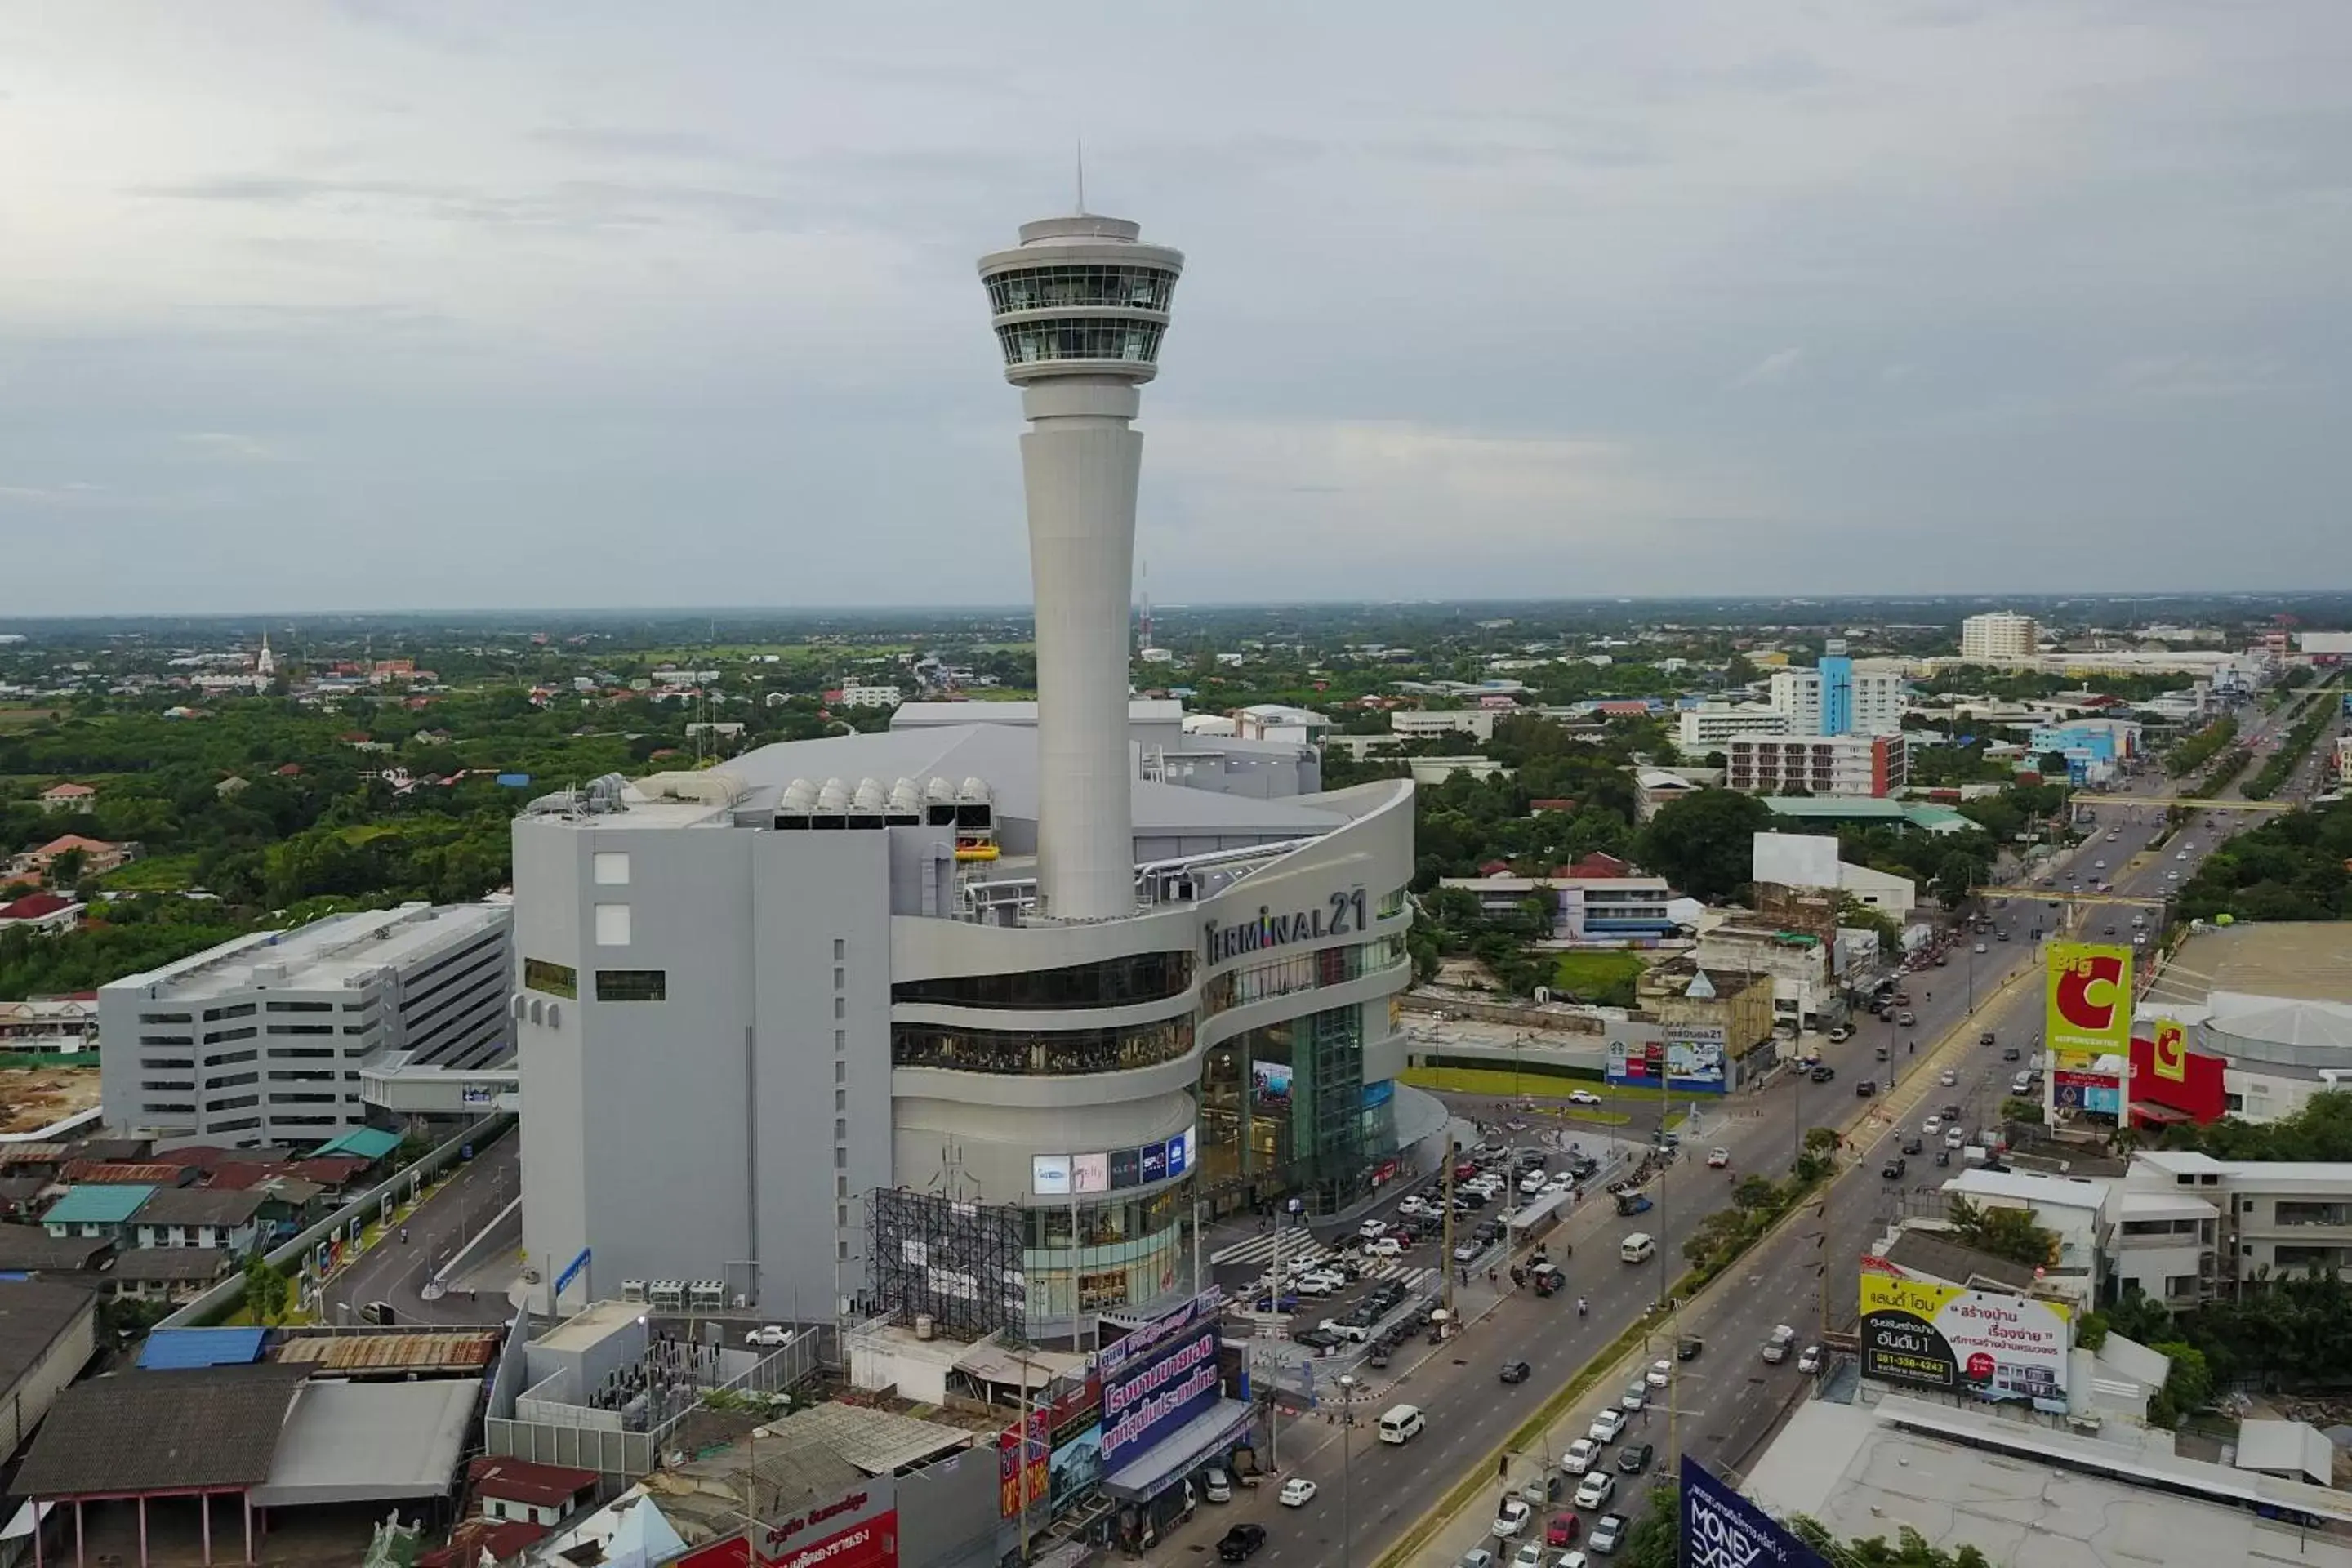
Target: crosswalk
x=1260, y=1249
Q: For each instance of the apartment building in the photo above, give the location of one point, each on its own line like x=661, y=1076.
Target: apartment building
x=2230, y=1222
x=1411, y=723
x=262, y=1040
x=1713, y=726
x=1615, y=909
x=867, y=697
x=1998, y=635
x=1873, y=765
x=1835, y=698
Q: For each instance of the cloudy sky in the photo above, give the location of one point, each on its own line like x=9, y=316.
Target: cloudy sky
x=381, y=305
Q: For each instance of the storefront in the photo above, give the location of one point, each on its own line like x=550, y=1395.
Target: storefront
x=1167, y=1413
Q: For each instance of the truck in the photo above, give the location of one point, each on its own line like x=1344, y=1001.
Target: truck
x=1632, y=1203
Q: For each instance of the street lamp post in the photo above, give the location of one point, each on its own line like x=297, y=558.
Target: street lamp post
x=1347, y=1447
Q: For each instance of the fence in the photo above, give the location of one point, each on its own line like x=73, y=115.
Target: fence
x=224, y=1297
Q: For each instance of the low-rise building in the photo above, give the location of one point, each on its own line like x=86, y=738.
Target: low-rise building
x=222, y=1219
x=2195, y=1227
x=1412, y=723
x=68, y=798
x=1873, y=765
x=1713, y=726
x=1618, y=909
x=96, y=1211
x=865, y=697
x=1279, y=721
x=1810, y=860
x=42, y=915
x=49, y=1332
x=166, y=1273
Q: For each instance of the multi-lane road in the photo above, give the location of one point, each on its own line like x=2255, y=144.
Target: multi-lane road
x=1727, y=1402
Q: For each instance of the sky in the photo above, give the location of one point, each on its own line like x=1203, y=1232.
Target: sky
x=375, y=305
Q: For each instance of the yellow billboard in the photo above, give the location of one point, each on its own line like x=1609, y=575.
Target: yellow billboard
x=2169, y=1055
x=2088, y=999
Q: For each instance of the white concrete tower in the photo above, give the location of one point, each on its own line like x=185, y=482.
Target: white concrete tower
x=1079, y=308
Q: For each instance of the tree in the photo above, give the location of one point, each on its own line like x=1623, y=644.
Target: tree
x=1656, y=1539
x=1705, y=843
x=2186, y=1385
x=2003, y=1232
x=2054, y=764
x=266, y=1291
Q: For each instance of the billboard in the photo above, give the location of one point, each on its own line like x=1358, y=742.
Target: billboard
x=1723, y=1529
x=1159, y=1377
x=2166, y=1073
x=2100, y=1094
x=2087, y=1002
x=1690, y=1058
x=859, y=1529
x=1012, y=1489
x=958, y=1262
x=1077, y=1175
x=1952, y=1341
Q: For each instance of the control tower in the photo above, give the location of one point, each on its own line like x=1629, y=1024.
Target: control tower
x=1079, y=307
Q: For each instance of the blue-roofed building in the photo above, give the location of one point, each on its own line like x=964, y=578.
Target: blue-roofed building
x=173, y=1349
x=514, y=780
x=97, y=1209
x=360, y=1143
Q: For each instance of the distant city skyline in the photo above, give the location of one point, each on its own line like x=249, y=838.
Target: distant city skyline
x=389, y=305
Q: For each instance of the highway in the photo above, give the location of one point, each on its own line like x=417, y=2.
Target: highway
x=1728, y=1401
x=395, y=1272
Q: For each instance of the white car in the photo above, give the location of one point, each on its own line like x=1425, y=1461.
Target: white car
x=1929, y=1128
x=1582, y=1096
x=1356, y=1332
x=1297, y=1492
x=1957, y=1138
x=1607, y=1426
x=1372, y=1230
x=1636, y=1395
x=1510, y=1518
x=1568, y=1560
x=1581, y=1455
x=1384, y=1247
x=1661, y=1372
x=1950, y=1078
x=1596, y=1491
x=772, y=1335
x=2183, y=855
x=1533, y=1182
x=1320, y=1284
x=1561, y=1181
x=1529, y=1555
x=2172, y=876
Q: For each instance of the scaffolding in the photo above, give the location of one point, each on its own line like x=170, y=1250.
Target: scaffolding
x=953, y=1262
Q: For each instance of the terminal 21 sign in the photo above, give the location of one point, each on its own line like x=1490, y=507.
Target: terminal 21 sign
x=1341, y=914
x=1723, y=1529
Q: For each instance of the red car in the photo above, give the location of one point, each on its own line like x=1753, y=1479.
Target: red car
x=1562, y=1530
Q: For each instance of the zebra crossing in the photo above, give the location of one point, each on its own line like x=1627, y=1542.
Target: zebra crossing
x=1308, y=1253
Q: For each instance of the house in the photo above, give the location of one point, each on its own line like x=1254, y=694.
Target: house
x=49, y=1332
x=68, y=797
x=31, y=1249
x=230, y=786
x=99, y=1211
x=167, y=1273
x=201, y=1216
x=49, y=1024
x=98, y=856
x=42, y=915
x=512, y=1489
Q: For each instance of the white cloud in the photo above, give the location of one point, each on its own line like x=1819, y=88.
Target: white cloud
x=1772, y=369
x=226, y=447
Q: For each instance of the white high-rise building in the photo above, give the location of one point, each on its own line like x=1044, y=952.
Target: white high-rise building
x=1079, y=307
x=2000, y=634
x=1810, y=699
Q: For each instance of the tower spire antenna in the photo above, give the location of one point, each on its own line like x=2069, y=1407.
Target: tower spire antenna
x=1082, y=177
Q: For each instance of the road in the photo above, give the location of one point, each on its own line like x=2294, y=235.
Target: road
x=395, y=1272
x=1728, y=1401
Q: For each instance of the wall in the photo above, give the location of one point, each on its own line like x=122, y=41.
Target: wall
x=23, y=1403
x=948, y=1513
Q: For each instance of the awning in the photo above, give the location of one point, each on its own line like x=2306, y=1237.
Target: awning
x=1183, y=1450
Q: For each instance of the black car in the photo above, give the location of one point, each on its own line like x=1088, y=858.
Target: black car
x=1237, y=1543
x=1985, y=1038
x=1688, y=1347
x=1379, y=1353
x=1634, y=1458
x=2010, y=1054
x=1893, y=1170
x=1864, y=1089
x=1516, y=1372
x=1824, y=1073
x=1315, y=1338
x=1911, y=1145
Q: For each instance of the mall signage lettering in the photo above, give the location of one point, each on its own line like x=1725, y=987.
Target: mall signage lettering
x=1341, y=914
x=1160, y=1376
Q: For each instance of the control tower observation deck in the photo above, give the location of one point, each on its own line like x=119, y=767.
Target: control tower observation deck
x=1079, y=308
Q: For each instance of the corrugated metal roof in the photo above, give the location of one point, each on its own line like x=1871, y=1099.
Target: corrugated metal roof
x=393, y=1353
x=366, y=1142
x=98, y=1205
x=172, y=1350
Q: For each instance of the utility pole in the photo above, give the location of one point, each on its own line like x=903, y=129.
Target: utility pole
x=1447, y=1266
x=1347, y=1474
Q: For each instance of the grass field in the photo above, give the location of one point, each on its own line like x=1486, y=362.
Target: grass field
x=155, y=874
x=25, y=718
x=1595, y=975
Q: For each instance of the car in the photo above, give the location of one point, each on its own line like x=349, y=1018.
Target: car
x=1516, y=1372
x=2010, y=1053
x=2001, y=935
x=2110, y=930
x=2098, y=865
x=770, y=1335
x=1607, y=1426
x=1542, y=1490
x=1372, y=1230
x=1477, y=1557
x=1903, y=998
x=1908, y=1018
x=1718, y=1158
x=1297, y=1492
x=1823, y=1072
x=1349, y=1328
x=1955, y=1138
x=1981, y=948
x=1911, y=1145
x=1532, y=1182
x=1928, y=1129
x=1661, y=1374
x=1688, y=1347
x=1951, y=1115
x=1893, y=1170
x=1382, y=1351
x=1581, y=1455
x=2172, y=876
x=1948, y=1079
x=1463, y=1251
x=1777, y=1346
x=1561, y=1181
x=1634, y=1458
x=1809, y=1360
x=1563, y=1529
x=1986, y=1038
x=1841, y=1034
x=1384, y=1247
x=1596, y=1491
x=1878, y=1053
x=1531, y=1553
x=1237, y=1545
x=1864, y=1089
x=1636, y=1395
x=1315, y=1339
x=1511, y=1517
x=1582, y=1096
x=1269, y=1302
x=1607, y=1534
x=2181, y=855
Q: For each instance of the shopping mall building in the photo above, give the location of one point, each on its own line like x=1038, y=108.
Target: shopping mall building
x=970, y=1015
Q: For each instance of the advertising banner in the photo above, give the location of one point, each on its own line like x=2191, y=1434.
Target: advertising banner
x=1077, y=1439
x=2169, y=1052
x=1690, y=1058
x=1010, y=1489
x=2087, y=1002
x=857, y=1530
x=2100, y=1094
x=1159, y=1377
x=1723, y=1529
x=2166, y=1073
x=1950, y=1340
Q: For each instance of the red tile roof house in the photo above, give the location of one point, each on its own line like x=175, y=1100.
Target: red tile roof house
x=44, y=914
x=68, y=797
x=518, y=1490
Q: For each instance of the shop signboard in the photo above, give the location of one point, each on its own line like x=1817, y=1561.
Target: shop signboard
x=2100, y=1094
x=858, y=1529
x=1161, y=1375
x=1952, y=1341
x=2165, y=1072
x=1723, y=1529
x=2087, y=1002
x=1690, y=1058
x=1100, y=1171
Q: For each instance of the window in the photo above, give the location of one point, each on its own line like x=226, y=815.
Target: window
x=2179, y=1284
x=840, y=1186
x=840, y=978
x=840, y=1072
x=2298, y=1258
x=167, y=1017
x=612, y=925
x=612, y=868
x=555, y=979
x=840, y=949
x=840, y=1040
x=840, y=1129
x=236, y=1010
x=633, y=985
x=841, y=1217
x=2295, y=1211
x=840, y=1159
x=1112, y=983
x=840, y=1008
x=840, y=1096
x=1058, y=1053
x=301, y=1007
x=242, y=1032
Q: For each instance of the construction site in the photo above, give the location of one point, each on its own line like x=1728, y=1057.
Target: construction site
x=35, y=1098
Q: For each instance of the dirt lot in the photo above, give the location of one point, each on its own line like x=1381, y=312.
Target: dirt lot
x=32, y=1098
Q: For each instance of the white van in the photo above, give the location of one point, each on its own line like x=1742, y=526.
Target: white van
x=1638, y=1247
x=1401, y=1423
